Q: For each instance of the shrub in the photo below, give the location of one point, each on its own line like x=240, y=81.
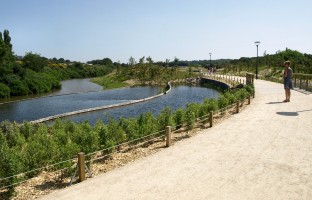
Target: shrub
x=231, y=97
x=147, y=124
x=165, y=118
x=190, y=117
x=179, y=117
x=222, y=101
x=116, y=135
x=212, y=105
x=4, y=91
x=9, y=163
x=131, y=128
x=250, y=89
x=241, y=94
x=86, y=138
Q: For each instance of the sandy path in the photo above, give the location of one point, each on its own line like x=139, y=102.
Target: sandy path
x=264, y=152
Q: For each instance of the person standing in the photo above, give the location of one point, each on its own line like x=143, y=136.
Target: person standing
x=288, y=73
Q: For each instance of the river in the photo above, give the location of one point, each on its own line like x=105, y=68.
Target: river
x=32, y=109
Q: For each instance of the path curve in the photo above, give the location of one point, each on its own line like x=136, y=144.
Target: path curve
x=264, y=152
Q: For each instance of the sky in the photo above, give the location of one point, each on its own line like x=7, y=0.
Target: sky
x=81, y=30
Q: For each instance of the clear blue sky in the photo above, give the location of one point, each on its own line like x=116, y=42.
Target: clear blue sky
x=84, y=30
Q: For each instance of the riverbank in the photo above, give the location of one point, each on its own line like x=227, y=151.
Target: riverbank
x=72, y=86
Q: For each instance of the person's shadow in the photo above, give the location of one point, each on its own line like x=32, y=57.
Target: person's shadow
x=276, y=102
x=292, y=114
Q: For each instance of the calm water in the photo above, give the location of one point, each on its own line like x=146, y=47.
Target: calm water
x=70, y=98
x=43, y=107
x=68, y=87
x=178, y=97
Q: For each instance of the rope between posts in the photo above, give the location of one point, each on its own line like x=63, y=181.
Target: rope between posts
x=99, y=158
x=14, y=184
x=38, y=169
x=124, y=143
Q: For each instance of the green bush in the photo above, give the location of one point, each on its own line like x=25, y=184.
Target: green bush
x=86, y=138
x=4, y=91
x=223, y=102
x=165, y=118
x=9, y=163
x=250, y=89
x=131, y=128
x=211, y=105
x=147, y=124
x=190, y=116
x=12, y=133
x=116, y=135
x=179, y=117
x=230, y=97
x=241, y=94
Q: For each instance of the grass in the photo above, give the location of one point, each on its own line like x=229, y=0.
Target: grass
x=109, y=82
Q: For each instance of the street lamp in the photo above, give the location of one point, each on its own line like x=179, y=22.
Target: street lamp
x=257, y=44
x=210, y=59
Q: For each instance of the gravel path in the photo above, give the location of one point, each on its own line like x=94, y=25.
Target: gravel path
x=264, y=152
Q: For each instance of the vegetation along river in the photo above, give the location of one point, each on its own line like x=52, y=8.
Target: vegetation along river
x=33, y=109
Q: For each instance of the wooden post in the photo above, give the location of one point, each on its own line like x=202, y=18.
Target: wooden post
x=168, y=136
x=248, y=99
x=237, y=107
x=211, y=119
x=295, y=82
x=300, y=83
x=81, y=167
x=307, y=85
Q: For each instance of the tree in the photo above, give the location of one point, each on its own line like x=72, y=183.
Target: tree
x=149, y=60
x=7, y=38
x=131, y=61
x=34, y=62
x=141, y=61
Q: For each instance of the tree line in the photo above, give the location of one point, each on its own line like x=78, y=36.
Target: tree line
x=34, y=74
x=271, y=64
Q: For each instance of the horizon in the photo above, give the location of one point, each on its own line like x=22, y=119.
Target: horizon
x=84, y=31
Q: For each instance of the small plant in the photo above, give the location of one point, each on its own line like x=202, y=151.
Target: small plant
x=179, y=117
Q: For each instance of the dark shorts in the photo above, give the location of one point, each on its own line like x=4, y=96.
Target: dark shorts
x=288, y=84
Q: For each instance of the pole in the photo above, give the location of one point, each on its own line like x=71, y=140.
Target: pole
x=168, y=136
x=81, y=167
x=210, y=60
x=257, y=44
x=257, y=64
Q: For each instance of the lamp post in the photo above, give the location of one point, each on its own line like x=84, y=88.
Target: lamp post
x=210, y=59
x=257, y=44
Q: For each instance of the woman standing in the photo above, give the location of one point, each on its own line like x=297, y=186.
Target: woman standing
x=288, y=73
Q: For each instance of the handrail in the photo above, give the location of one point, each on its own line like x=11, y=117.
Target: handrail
x=305, y=81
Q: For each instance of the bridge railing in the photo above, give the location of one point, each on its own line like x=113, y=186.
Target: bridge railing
x=303, y=81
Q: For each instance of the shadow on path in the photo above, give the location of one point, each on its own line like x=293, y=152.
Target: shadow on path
x=276, y=102
x=292, y=114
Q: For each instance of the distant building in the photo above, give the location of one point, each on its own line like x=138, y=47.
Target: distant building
x=19, y=57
